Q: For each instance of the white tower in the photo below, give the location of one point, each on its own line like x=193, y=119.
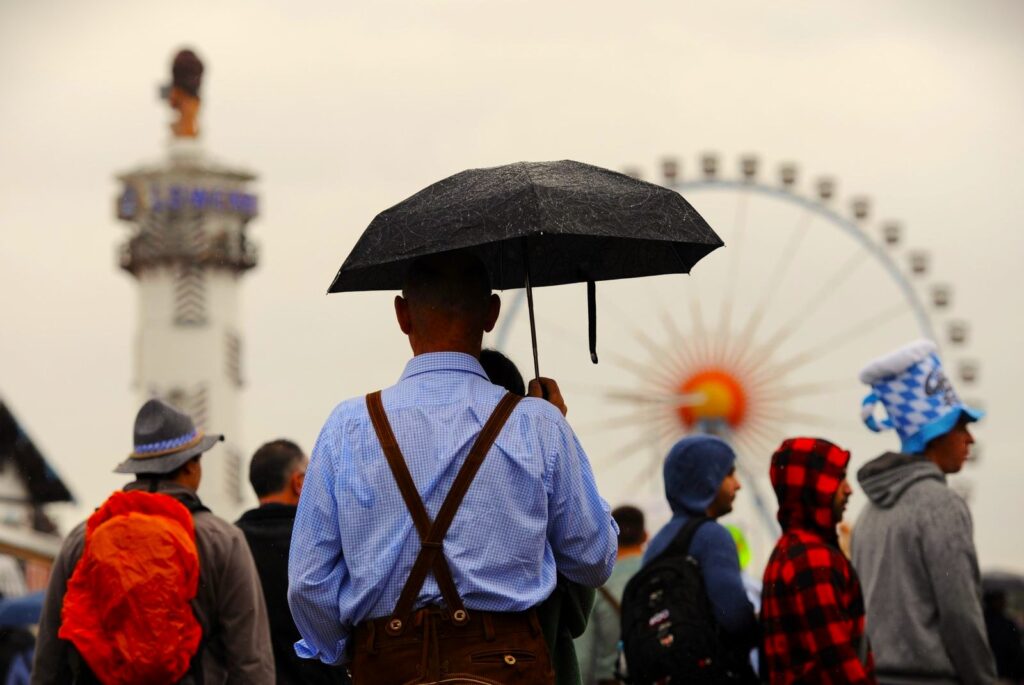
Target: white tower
x=188, y=249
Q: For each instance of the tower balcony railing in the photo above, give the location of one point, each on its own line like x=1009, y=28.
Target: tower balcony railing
x=141, y=252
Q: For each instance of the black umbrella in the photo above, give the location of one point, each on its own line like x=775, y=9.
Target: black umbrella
x=535, y=224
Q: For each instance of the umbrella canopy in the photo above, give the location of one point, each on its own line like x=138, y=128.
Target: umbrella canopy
x=580, y=222
x=535, y=223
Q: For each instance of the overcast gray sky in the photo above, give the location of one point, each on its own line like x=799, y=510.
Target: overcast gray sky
x=344, y=109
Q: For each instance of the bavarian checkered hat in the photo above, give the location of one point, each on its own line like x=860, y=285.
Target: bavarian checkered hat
x=918, y=399
x=164, y=438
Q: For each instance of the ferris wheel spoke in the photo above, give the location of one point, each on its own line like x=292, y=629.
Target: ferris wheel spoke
x=661, y=431
x=648, y=374
x=653, y=399
x=658, y=352
x=839, y=340
x=739, y=233
x=809, y=419
x=704, y=343
x=825, y=293
x=685, y=355
x=635, y=418
x=766, y=431
x=807, y=389
x=750, y=328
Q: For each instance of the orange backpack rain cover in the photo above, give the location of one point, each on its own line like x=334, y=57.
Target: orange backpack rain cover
x=127, y=608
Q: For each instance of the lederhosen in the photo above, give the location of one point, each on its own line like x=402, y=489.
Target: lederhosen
x=446, y=644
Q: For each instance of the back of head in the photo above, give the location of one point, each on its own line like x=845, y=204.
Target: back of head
x=448, y=287
x=630, y=520
x=272, y=465
x=806, y=474
x=694, y=470
x=502, y=371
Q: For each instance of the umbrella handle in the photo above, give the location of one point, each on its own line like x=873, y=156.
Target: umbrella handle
x=529, y=306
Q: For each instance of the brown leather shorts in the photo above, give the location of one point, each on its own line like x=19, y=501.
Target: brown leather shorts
x=489, y=649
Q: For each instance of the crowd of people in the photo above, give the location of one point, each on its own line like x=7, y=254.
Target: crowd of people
x=448, y=529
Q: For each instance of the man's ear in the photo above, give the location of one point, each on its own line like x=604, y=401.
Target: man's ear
x=493, y=309
x=402, y=314
x=296, y=481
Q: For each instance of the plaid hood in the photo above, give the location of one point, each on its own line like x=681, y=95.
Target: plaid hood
x=806, y=474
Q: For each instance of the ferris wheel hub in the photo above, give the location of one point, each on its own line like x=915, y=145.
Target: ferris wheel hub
x=721, y=397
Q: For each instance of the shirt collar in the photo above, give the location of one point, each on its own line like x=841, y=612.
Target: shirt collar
x=442, y=361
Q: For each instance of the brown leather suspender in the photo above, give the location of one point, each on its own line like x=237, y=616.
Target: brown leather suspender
x=431, y=556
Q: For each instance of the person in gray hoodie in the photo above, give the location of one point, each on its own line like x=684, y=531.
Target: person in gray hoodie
x=913, y=545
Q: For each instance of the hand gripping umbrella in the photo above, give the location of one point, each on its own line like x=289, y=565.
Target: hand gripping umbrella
x=535, y=224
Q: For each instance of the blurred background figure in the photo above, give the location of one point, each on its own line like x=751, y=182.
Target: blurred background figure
x=276, y=473
x=751, y=582
x=1004, y=637
x=597, y=649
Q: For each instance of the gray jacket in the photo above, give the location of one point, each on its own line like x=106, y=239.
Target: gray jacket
x=913, y=548
x=229, y=604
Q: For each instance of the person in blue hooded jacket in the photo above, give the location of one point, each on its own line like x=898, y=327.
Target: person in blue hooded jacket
x=700, y=480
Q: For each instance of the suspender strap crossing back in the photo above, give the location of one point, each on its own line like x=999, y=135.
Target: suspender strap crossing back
x=431, y=556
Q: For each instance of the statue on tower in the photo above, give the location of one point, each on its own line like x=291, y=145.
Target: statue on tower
x=183, y=95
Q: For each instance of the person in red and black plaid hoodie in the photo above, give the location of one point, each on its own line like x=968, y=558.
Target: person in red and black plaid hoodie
x=812, y=611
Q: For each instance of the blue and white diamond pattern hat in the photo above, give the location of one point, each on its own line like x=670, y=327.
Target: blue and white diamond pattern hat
x=919, y=401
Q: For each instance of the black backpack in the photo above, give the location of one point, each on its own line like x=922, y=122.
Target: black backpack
x=668, y=628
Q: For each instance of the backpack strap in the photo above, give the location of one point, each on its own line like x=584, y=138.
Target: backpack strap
x=680, y=545
x=431, y=556
x=610, y=598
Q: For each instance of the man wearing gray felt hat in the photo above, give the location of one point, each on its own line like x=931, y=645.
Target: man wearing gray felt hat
x=165, y=439
x=228, y=603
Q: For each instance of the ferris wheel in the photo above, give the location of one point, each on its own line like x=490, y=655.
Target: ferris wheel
x=765, y=338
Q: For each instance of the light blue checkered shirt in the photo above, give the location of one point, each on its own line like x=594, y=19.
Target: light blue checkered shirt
x=532, y=510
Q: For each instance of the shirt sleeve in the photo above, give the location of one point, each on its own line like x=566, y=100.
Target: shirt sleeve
x=582, y=534
x=316, y=565
x=720, y=568
x=827, y=629
x=948, y=549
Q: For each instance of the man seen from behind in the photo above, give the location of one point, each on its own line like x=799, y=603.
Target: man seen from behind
x=372, y=580
x=154, y=588
x=277, y=472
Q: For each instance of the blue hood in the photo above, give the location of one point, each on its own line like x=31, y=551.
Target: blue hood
x=694, y=470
